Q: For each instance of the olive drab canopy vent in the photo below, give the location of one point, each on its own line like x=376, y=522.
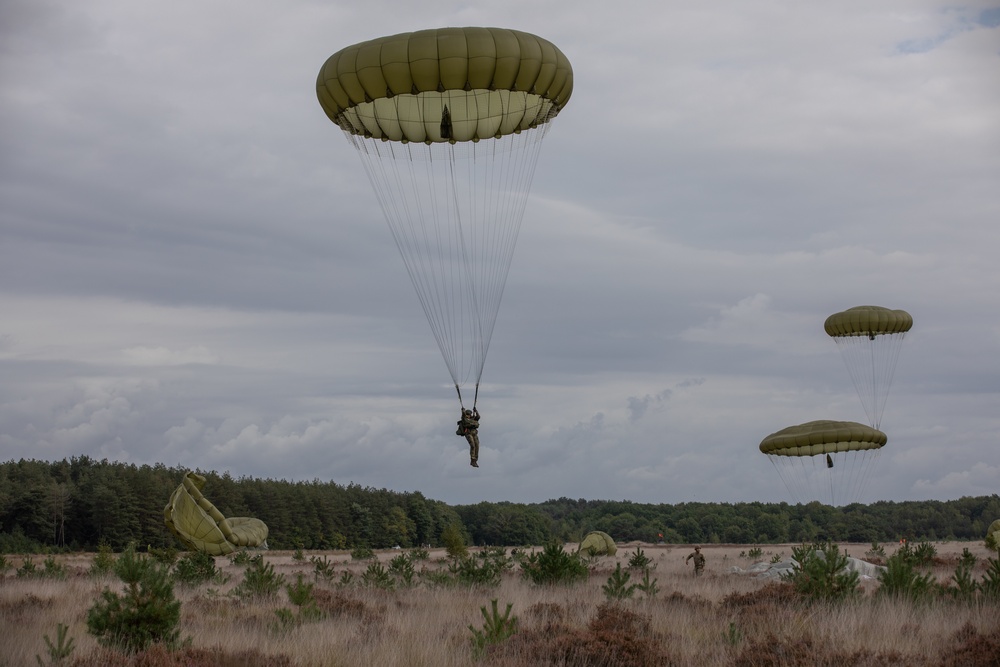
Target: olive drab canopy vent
x=448, y=124
x=869, y=339
x=824, y=460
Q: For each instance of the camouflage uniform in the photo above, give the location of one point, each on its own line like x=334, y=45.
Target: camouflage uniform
x=699, y=561
x=468, y=426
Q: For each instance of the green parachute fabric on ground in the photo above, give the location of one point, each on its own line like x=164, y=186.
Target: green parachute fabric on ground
x=994, y=532
x=200, y=526
x=822, y=437
x=597, y=543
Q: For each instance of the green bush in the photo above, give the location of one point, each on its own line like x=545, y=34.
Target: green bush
x=195, y=567
x=376, y=576
x=322, y=568
x=104, y=560
x=496, y=628
x=820, y=572
x=471, y=571
x=259, y=580
x=362, y=553
x=146, y=613
x=402, y=568
x=900, y=579
x=618, y=586
x=453, y=539
x=58, y=650
x=639, y=560
x=553, y=565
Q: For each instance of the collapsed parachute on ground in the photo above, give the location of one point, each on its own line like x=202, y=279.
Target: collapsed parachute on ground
x=448, y=124
x=824, y=460
x=597, y=543
x=201, y=527
x=869, y=339
x=993, y=535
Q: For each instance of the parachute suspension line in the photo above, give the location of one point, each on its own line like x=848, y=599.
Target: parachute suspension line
x=871, y=365
x=784, y=478
x=460, y=403
x=454, y=212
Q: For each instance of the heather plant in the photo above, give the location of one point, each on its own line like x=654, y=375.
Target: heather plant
x=259, y=580
x=196, y=567
x=496, y=628
x=58, y=650
x=819, y=572
x=553, y=565
x=144, y=614
x=618, y=586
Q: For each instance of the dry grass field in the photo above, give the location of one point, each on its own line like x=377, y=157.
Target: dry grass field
x=720, y=618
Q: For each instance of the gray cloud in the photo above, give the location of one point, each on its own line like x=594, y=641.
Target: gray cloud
x=194, y=271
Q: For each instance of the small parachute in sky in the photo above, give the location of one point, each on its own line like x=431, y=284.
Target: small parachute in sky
x=201, y=527
x=824, y=460
x=448, y=124
x=597, y=543
x=869, y=339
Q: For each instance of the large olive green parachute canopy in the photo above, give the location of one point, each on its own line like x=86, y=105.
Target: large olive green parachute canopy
x=868, y=321
x=449, y=84
x=824, y=460
x=201, y=527
x=869, y=339
x=597, y=543
x=448, y=124
x=822, y=437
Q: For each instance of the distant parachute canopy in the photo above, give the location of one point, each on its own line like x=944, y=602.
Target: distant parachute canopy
x=448, y=124
x=596, y=543
x=824, y=460
x=201, y=527
x=869, y=339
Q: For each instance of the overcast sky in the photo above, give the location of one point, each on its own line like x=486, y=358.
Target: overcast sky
x=194, y=269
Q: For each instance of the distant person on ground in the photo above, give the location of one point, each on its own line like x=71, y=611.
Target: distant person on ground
x=699, y=561
x=468, y=426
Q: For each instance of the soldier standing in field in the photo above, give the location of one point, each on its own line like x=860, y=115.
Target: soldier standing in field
x=468, y=426
x=699, y=561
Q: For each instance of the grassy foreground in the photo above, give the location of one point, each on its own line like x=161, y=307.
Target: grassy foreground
x=721, y=618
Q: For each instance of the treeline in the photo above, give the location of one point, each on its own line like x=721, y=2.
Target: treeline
x=80, y=503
